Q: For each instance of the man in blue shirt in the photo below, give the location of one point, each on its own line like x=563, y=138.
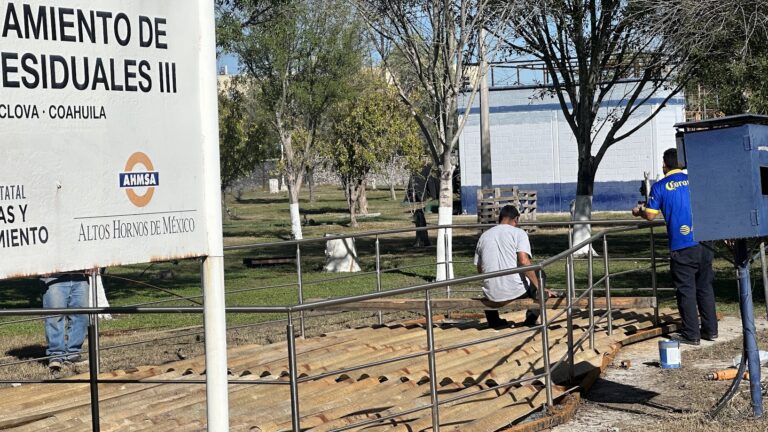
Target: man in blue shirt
x=690, y=262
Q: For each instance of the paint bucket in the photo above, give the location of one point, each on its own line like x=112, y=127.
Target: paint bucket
x=669, y=354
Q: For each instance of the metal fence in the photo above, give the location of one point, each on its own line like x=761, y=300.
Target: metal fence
x=296, y=313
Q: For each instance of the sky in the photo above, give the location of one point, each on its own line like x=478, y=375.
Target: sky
x=502, y=76
x=227, y=60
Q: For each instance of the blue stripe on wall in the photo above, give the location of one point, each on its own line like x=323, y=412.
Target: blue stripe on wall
x=556, y=197
x=556, y=106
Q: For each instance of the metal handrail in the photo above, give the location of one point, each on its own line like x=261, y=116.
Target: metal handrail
x=416, y=354
x=138, y=381
x=586, y=291
x=318, y=304
x=611, y=222
x=618, y=226
x=126, y=309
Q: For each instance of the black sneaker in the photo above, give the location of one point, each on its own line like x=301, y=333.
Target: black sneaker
x=684, y=340
x=530, y=319
x=500, y=324
x=708, y=337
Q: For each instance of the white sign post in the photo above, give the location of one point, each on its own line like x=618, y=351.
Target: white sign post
x=108, y=115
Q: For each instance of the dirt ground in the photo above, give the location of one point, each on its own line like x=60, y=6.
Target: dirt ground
x=646, y=397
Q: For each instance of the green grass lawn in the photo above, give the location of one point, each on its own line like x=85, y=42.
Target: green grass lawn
x=261, y=217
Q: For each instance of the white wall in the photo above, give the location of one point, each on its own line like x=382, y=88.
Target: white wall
x=532, y=144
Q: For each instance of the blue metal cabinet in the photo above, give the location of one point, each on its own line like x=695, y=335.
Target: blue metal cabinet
x=727, y=163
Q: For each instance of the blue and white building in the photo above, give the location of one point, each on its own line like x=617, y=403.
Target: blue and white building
x=533, y=147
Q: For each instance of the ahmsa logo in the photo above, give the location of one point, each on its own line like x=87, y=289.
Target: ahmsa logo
x=145, y=180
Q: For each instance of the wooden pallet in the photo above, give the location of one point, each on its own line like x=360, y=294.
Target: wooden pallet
x=337, y=400
x=490, y=202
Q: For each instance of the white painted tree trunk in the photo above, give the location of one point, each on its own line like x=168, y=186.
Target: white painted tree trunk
x=101, y=298
x=295, y=221
x=582, y=211
x=444, y=217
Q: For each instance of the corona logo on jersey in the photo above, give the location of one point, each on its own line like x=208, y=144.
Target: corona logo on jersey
x=144, y=181
x=676, y=184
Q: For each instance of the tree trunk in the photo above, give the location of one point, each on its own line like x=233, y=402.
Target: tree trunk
x=445, y=217
x=293, y=176
x=352, y=217
x=392, y=193
x=353, y=194
x=226, y=212
x=311, y=184
x=293, y=200
x=582, y=210
x=362, y=200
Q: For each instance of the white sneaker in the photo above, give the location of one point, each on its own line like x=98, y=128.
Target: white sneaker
x=54, y=365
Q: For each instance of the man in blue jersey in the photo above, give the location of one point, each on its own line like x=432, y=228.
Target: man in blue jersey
x=690, y=262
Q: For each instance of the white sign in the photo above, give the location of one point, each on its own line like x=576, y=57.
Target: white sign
x=104, y=119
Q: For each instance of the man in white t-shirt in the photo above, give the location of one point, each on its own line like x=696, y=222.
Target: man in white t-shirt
x=503, y=247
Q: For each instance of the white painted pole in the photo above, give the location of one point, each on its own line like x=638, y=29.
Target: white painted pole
x=217, y=398
x=486, y=174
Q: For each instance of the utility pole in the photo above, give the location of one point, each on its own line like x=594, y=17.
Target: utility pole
x=486, y=177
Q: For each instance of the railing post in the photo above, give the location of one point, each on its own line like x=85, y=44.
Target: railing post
x=291, y=338
x=654, y=283
x=300, y=284
x=591, y=284
x=94, y=321
x=545, y=339
x=765, y=275
x=446, y=240
x=432, y=364
x=378, y=275
x=570, y=245
x=607, y=285
x=569, y=316
x=93, y=355
x=572, y=276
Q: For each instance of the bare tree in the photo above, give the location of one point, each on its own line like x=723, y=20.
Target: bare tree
x=600, y=52
x=436, y=41
x=302, y=58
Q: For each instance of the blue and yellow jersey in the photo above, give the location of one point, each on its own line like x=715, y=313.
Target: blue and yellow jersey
x=670, y=196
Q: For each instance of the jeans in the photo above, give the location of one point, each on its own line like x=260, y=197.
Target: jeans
x=65, y=334
x=692, y=275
